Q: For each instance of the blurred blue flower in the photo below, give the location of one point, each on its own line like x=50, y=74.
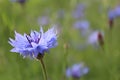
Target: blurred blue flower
x=79, y=11
x=20, y=1
x=111, y=17
x=37, y=43
x=96, y=38
x=83, y=26
x=114, y=13
x=111, y=14
x=77, y=71
x=117, y=10
x=43, y=20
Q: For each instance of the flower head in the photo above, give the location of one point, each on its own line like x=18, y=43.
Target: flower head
x=19, y=1
x=79, y=11
x=117, y=10
x=111, y=17
x=43, y=20
x=77, y=71
x=96, y=38
x=35, y=44
x=83, y=26
x=113, y=14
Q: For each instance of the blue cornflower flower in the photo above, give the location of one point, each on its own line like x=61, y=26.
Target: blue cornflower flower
x=19, y=1
x=79, y=11
x=35, y=44
x=111, y=17
x=96, y=38
x=111, y=14
x=83, y=26
x=117, y=10
x=77, y=71
x=43, y=20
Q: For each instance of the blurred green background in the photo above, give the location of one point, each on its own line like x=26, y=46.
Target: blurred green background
x=104, y=65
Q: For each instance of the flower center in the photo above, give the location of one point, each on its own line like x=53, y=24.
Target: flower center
x=35, y=40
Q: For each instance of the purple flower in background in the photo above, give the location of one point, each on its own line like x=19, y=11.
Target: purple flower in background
x=79, y=11
x=96, y=38
x=111, y=14
x=77, y=71
x=19, y=1
x=117, y=10
x=111, y=17
x=44, y=20
x=22, y=1
x=35, y=44
x=83, y=26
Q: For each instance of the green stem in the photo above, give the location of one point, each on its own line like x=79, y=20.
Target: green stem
x=43, y=69
x=65, y=59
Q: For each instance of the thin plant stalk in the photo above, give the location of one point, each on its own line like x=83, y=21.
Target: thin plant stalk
x=65, y=58
x=66, y=55
x=43, y=69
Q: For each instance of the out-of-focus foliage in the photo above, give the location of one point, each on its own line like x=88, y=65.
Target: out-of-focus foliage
x=103, y=64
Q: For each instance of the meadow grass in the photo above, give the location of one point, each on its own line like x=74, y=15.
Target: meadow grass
x=103, y=64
